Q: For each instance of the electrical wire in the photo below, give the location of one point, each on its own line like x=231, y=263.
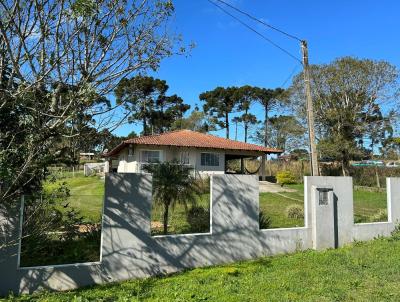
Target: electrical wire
x=260, y=21
x=256, y=32
x=290, y=75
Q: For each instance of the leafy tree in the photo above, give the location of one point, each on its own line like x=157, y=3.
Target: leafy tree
x=236, y=120
x=196, y=121
x=285, y=132
x=245, y=96
x=347, y=94
x=269, y=99
x=168, y=110
x=139, y=96
x=144, y=98
x=172, y=183
x=219, y=104
x=58, y=59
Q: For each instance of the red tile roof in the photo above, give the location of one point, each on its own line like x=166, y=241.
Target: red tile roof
x=188, y=138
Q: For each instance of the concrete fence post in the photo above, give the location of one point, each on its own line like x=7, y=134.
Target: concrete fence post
x=393, y=193
x=9, y=248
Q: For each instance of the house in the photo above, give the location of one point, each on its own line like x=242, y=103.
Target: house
x=206, y=154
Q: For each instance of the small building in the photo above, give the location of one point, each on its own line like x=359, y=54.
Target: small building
x=86, y=156
x=206, y=154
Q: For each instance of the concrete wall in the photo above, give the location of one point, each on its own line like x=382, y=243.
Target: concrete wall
x=129, y=251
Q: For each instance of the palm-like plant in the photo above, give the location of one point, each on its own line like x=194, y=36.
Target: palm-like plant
x=172, y=183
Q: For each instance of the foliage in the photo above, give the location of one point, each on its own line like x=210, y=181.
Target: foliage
x=173, y=183
x=59, y=59
x=198, y=218
x=196, y=121
x=363, y=176
x=219, y=104
x=285, y=132
x=245, y=96
x=380, y=216
x=270, y=99
x=295, y=211
x=264, y=221
x=396, y=232
x=145, y=100
x=349, y=96
x=48, y=220
x=285, y=178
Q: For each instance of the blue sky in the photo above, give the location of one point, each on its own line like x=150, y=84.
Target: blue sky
x=227, y=53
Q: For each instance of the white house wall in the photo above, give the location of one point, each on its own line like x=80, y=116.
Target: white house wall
x=130, y=164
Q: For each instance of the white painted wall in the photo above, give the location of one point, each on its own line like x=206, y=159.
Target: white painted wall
x=131, y=164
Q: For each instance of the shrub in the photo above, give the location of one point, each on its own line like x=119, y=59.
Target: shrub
x=199, y=219
x=264, y=220
x=380, y=216
x=295, y=211
x=285, y=178
x=396, y=233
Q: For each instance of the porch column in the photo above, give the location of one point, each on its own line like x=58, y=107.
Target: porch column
x=241, y=165
x=263, y=166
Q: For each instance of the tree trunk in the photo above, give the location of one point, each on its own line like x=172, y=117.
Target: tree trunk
x=144, y=125
x=266, y=126
x=345, y=164
x=378, y=182
x=236, y=127
x=246, y=126
x=165, y=218
x=227, y=124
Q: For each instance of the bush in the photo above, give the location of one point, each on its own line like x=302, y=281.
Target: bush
x=264, y=220
x=363, y=176
x=285, y=178
x=295, y=211
x=380, y=216
x=199, y=219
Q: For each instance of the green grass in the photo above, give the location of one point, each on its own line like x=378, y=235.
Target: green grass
x=360, y=272
x=275, y=204
x=369, y=204
x=177, y=220
x=87, y=194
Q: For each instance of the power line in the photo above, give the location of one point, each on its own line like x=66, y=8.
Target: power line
x=256, y=32
x=290, y=75
x=260, y=21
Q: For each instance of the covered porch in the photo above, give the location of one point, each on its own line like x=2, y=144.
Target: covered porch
x=248, y=163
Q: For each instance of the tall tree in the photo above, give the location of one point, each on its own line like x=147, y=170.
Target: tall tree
x=236, y=120
x=219, y=104
x=139, y=96
x=168, y=110
x=346, y=94
x=269, y=99
x=245, y=97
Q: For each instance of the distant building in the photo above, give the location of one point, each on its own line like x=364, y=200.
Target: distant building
x=86, y=156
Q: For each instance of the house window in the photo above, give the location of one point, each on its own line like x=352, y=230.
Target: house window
x=185, y=157
x=210, y=159
x=150, y=156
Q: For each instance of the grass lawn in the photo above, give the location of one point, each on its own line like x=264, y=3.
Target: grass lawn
x=360, y=272
x=369, y=206
x=87, y=194
x=274, y=205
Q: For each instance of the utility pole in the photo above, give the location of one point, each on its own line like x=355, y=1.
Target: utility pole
x=310, y=110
